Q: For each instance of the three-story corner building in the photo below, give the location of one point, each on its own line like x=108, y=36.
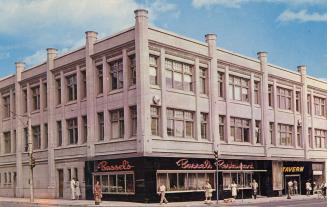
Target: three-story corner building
x=146, y=107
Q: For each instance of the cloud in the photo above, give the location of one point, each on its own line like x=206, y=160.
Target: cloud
x=302, y=16
x=239, y=3
x=37, y=58
x=4, y=55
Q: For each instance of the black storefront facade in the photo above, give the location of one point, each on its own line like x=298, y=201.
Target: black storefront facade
x=137, y=179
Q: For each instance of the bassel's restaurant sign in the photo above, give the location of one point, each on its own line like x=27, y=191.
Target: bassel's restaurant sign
x=105, y=166
x=207, y=165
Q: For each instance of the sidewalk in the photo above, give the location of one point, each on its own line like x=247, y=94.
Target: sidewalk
x=88, y=203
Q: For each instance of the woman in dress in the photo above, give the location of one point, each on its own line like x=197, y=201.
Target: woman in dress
x=77, y=189
x=234, y=189
x=97, y=192
x=208, y=192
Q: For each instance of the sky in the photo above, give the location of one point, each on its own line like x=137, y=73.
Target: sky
x=293, y=32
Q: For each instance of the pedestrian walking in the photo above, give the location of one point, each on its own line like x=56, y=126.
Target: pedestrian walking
x=308, y=188
x=72, y=188
x=97, y=192
x=77, y=190
x=207, y=192
x=324, y=187
x=254, y=186
x=290, y=189
x=162, y=193
x=234, y=189
x=295, y=187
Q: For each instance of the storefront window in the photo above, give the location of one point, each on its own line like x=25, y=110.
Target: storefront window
x=185, y=181
x=242, y=179
x=122, y=183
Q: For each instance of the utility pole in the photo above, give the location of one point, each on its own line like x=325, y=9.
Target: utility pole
x=31, y=158
x=217, y=182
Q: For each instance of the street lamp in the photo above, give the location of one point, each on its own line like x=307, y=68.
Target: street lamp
x=217, y=188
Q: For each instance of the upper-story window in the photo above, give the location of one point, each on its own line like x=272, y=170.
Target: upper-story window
x=203, y=80
x=309, y=104
x=100, y=78
x=204, y=126
x=321, y=138
x=58, y=91
x=270, y=95
x=116, y=74
x=36, y=97
x=298, y=101
x=59, y=133
x=256, y=92
x=132, y=69
x=83, y=84
x=284, y=98
x=133, y=114
x=25, y=100
x=71, y=87
x=240, y=129
x=72, y=128
x=153, y=70
x=45, y=97
x=7, y=141
x=222, y=127
x=117, y=123
x=6, y=105
x=285, y=134
x=221, y=78
x=46, y=136
x=320, y=106
x=84, y=125
x=299, y=136
x=179, y=75
x=36, y=137
x=258, y=132
x=180, y=123
x=155, y=118
x=239, y=88
x=101, y=125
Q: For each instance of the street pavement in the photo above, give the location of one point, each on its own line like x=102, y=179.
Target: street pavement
x=296, y=201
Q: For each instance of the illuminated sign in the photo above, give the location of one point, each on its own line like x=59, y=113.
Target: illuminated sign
x=105, y=166
x=292, y=169
x=234, y=166
x=207, y=165
x=186, y=164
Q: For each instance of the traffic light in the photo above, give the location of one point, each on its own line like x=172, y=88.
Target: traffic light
x=32, y=162
x=216, y=154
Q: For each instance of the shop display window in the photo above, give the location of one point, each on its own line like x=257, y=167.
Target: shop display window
x=242, y=179
x=116, y=183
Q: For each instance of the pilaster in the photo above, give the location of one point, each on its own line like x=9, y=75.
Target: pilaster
x=127, y=125
x=304, y=111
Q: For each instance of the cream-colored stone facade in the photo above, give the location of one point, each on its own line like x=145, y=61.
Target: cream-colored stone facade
x=141, y=41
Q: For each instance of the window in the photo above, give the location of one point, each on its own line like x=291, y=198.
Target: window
x=309, y=103
x=14, y=141
x=70, y=176
x=240, y=129
x=310, y=137
x=24, y=101
x=59, y=133
x=76, y=172
x=83, y=84
x=117, y=123
x=222, y=127
x=45, y=136
x=26, y=139
x=100, y=78
x=320, y=137
x=132, y=68
x=71, y=87
x=84, y=120
x=133, y=114
x=180, y=123
x=36, y=97
x=270, y=95
x=7, y=143
x=221, y=78
x=153, y=70
x=271, y=132
x=72, y=130
x=285, y=134
x=297, y=101
x=258, y=131
x=185, y=180
x=242, y=179
x=116, y=74
x=204, y=126
x=58, y=91
x=116, y=183
x=298, y=136
x=155, y=117
x=256, y=92
x=101, y=126
x=319, y=104
x=239, y=88
x=6, y=105
x=36, y=131
x=284, y=98
x=178, y=75
x=203, y=80
x=45, y=97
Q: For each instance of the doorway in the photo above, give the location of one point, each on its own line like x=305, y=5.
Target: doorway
x=296, y=179
x=61, y=183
